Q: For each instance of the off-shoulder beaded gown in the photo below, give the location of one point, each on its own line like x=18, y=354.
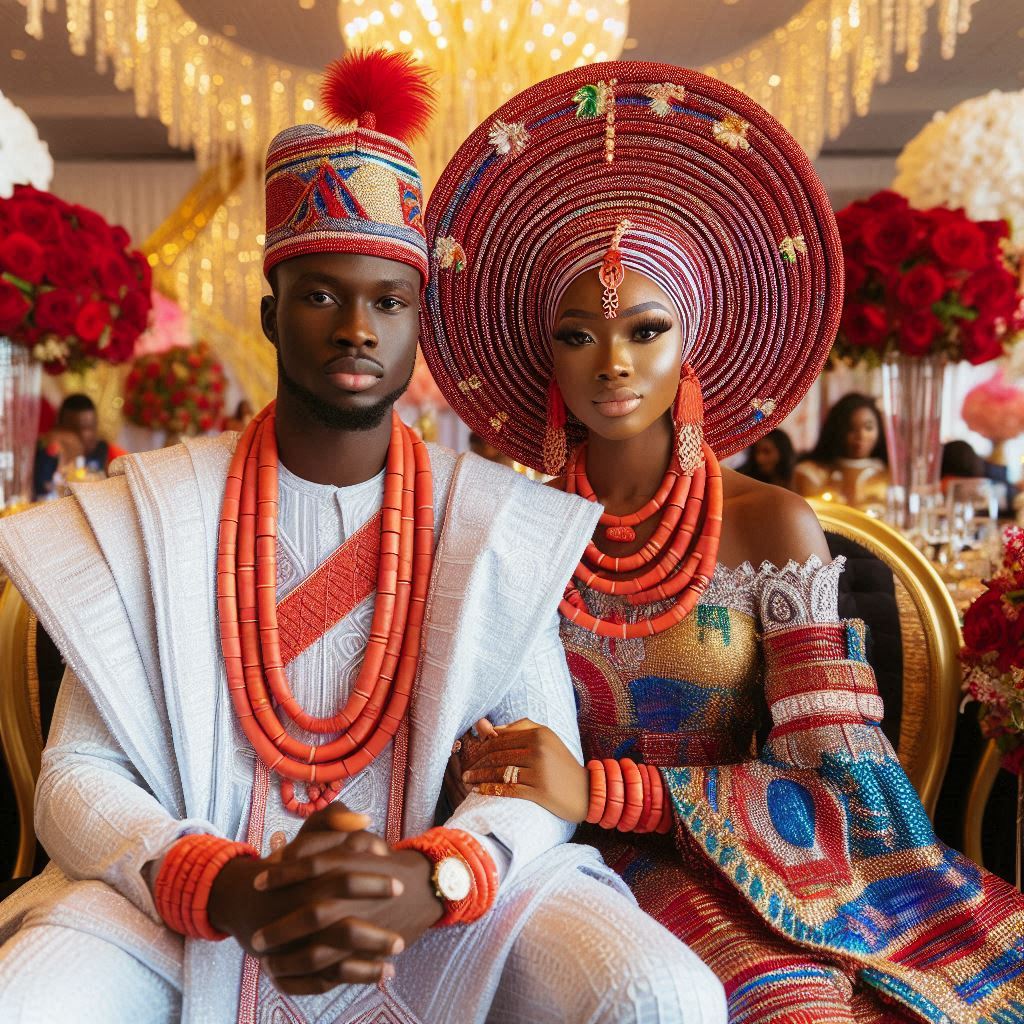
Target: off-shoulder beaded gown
x=806, y=874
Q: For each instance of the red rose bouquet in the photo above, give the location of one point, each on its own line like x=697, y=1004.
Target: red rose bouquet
x=71, y=290
x=926, y=282
x=180, y=390
x=993, y=653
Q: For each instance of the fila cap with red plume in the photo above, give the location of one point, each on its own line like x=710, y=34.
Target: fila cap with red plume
x=356, y=188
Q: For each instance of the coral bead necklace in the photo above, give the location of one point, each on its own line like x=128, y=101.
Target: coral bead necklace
x=250, y=637
x=676, y=564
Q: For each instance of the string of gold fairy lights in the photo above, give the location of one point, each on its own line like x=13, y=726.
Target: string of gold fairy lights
x=224, y=102
x=820, y=67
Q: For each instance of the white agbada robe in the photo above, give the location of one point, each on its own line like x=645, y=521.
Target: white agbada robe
x=122, y=577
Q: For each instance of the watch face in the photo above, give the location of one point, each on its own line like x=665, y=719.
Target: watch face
x=453, y=879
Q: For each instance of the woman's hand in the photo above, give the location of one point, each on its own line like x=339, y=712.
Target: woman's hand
x=548, y=775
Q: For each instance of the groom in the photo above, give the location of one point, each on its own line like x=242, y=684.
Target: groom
x=172, y=820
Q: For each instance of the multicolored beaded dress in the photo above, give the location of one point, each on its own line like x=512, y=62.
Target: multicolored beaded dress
x=806, y=875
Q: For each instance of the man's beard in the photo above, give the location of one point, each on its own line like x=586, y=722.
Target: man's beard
x=340, y=419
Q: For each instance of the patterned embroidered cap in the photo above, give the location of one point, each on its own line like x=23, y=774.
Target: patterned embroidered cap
x=356, y=190
x=726, y=214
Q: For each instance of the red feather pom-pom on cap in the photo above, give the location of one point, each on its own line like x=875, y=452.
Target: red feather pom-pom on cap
x=385, y=92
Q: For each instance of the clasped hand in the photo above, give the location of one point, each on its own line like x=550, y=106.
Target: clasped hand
x=332, y=907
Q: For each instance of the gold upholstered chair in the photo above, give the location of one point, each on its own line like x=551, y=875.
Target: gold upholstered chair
x=982, y=784
x=927, y=636
x=21, y=731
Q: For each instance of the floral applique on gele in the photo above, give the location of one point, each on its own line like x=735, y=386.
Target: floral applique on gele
x=763, y=408
x=791, y=247
x=509, y=138
x=732, y=131
x=663, y=95
x=450, y=255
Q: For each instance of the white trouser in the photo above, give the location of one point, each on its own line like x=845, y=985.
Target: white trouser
x=586, y=954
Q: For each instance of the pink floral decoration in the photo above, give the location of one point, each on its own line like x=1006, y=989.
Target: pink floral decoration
x=995, y=409
x=168, y=328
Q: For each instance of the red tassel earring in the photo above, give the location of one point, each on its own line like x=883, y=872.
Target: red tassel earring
x=555, y=451
x=688, y=417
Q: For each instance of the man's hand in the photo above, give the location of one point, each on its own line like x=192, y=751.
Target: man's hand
x=310, y=912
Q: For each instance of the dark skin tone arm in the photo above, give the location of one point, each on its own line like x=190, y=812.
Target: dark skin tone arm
x=336, y=902
x=619, y=378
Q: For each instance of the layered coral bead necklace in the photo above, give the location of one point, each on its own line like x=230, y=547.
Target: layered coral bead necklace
x=250, y=638
x=676, y=564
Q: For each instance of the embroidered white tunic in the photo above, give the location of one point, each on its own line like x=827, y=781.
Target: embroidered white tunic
x=145, y=746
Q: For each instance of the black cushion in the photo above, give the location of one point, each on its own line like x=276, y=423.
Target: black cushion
x=867, y=591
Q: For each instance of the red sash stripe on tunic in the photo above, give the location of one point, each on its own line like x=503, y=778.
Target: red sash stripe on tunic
x=330, y=592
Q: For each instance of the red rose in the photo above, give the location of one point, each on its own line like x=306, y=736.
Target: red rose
x=864, y=325
x=986, y=627
x=960, y=244
x=40, y=221
x=889, y=237
x=1013, y=760
x=92, y=224
x=981, y=341
x=856, y=276
x=885, y=200
x=123, y=336
x=178, y=397
x=13, y=307
x=113, y=273
x=202, y=402
x=851, y=220
x=134, y=379
x=194, y=360
x=120, y=238
x=91, y=321
x=143, y=270
x=920, y=286
x=152, y=370
x=995, y=232
x=205, y=422
x=135, y=307
x=992, y=291
x=23, y=257
x=64, y=268
x=56, y=311
x=917, y=332
x=217, y=386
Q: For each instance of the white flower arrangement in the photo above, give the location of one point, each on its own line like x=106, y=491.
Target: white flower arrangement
x=24, y=158
x=970, y=157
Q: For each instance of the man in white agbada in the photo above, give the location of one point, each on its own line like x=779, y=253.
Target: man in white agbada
x=146, y=747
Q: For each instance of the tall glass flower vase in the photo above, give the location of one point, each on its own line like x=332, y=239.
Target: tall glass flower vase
x=912, y=413
x=20, y=380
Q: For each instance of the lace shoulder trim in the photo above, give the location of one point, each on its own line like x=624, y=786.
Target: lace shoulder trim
x=778, y=598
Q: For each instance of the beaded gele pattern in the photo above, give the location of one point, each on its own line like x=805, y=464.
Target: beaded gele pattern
x=708, y=219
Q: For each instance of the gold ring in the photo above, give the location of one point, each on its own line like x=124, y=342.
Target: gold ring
x=512, y=775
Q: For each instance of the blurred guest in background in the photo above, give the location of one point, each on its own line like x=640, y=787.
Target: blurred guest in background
x=486, y=450
x=74, y=440
x=849, y=463
x=771, y=460
x=240, y=420
x=959, y=459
